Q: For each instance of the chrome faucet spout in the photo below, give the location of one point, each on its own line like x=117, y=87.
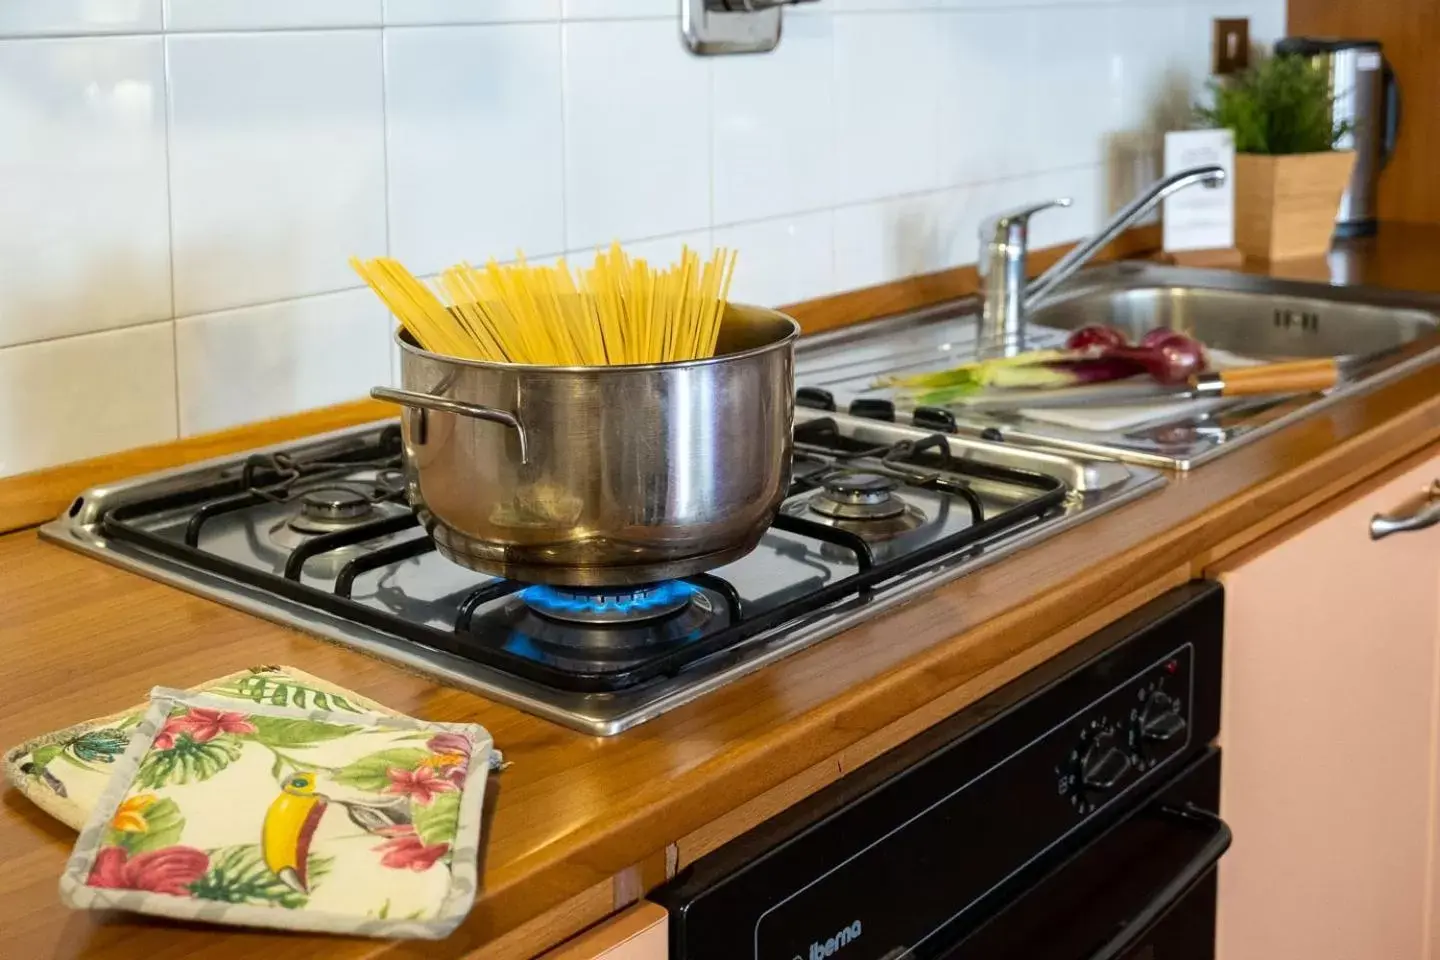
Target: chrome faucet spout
x=1210, y=175
x=1004, y=240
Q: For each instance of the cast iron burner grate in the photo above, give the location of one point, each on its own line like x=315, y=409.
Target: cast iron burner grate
x=591, y=657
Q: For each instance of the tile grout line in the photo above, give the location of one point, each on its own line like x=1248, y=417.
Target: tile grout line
x=316, y=294
x=381, y=24
x=170, y=220
x=563, y=40
x=392, y=353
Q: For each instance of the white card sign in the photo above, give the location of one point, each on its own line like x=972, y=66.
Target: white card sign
x=1200, y=218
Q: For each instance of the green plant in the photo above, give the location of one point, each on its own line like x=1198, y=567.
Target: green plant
x=1281, y=104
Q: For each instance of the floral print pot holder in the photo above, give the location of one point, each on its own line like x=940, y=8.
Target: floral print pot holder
x=64, y=772
x=304, y=819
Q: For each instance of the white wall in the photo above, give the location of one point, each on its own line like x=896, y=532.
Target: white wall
x=180, y=185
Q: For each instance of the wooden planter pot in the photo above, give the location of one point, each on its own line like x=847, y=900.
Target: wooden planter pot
x=1285, y=205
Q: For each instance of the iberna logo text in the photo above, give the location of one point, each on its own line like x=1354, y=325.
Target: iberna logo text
x=819, y=951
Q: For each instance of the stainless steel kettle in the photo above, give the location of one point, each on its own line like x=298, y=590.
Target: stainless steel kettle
x=1367, y=98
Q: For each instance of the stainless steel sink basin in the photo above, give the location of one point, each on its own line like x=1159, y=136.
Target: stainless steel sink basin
x=1295, y=321
x=1378, y=334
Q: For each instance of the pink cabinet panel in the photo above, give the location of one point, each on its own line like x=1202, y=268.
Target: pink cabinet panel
x=1330, y=741
x=640, y=933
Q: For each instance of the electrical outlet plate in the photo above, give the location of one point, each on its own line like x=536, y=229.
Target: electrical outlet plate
x=1232, y=46
x=712, y=32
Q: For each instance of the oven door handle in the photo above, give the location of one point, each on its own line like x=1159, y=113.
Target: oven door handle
x=1194, y=870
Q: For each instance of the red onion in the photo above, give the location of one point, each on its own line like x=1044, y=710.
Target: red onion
x=1157, y=336
x=1174, y=359
x=1096, y=336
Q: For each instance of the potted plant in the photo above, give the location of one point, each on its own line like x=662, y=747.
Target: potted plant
x=1289, y=177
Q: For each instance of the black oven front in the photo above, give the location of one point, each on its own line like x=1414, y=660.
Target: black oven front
x=1068, y=816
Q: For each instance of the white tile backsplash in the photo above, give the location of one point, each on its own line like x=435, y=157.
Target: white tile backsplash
x=412, y=12
x=84, y=220
x=31, y=18
x=984, y=129
x=269, y=14
x=784, y=260
x=474, y=143
x=637, y=132
x=80, y=397
x=277, y=163
x=774, y=127
x=620, y=9
x=260, y=362
x=887, y=96
x=257, y=144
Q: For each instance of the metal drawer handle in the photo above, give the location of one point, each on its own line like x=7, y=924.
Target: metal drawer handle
x=424, y=401
x=1417, y=513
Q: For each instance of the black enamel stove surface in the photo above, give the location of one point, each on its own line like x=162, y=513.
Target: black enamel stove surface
x=329, y=530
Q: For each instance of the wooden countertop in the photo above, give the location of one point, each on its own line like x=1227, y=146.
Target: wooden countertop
x=579, y=825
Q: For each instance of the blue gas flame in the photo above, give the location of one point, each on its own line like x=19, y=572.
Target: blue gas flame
x=660, y=595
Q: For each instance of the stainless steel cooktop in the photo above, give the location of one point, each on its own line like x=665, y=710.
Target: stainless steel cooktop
x=317, y=535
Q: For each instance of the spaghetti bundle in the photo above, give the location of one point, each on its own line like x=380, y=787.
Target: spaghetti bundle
x=620, y=311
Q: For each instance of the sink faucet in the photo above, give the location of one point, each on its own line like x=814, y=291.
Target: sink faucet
x=1004, y=242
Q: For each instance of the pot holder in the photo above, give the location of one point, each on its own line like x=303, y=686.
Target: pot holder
x=64, y=772
x=256, y=815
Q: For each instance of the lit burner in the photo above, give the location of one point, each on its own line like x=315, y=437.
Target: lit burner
x=609, y=605
x=864, y=504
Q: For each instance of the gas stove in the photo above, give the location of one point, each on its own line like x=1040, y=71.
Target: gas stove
x=316, y=534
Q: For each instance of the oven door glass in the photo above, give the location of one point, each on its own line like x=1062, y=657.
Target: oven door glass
x=1143, y=890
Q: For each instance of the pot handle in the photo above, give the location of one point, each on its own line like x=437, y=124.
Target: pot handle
x=424, y=401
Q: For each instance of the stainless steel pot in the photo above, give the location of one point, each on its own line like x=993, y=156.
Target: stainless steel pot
x=602, y=476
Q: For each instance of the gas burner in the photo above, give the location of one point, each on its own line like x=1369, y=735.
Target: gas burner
x=609, y=606
x=864, y=504
x=333, y=506
x=337, y=504
x=598, y=630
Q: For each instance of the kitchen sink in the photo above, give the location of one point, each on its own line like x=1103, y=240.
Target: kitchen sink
x=1264, y=324
x=1376, y=334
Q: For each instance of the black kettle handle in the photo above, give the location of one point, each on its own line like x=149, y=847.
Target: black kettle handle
x=1392, y=113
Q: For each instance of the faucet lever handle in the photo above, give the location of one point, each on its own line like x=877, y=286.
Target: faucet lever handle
x=1017, y=217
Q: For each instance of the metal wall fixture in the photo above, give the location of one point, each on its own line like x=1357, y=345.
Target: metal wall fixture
x=717, y=27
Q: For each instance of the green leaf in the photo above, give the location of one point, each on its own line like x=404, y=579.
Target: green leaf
x=371, y=772
x=1280, y=105
x=44, y=755
x=437, y=821
x=188, y=761
x=285, y=732
x=283, y=691
x=239, y=875
x=278, y=767
x=102, y=745
x=164, y=825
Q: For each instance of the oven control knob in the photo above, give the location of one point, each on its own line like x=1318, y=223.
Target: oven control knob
x=1104, y=763
x=1160, y=720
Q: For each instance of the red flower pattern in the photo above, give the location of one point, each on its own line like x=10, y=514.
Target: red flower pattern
x=453, y=756
x=202, y=724
x=169, y=870
x=407, y=851
x=421, y=785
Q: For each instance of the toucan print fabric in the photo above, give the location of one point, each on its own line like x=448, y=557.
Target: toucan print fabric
x=64, y=772
x=277, y=817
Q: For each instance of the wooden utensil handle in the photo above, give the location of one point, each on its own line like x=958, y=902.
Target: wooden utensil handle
x=1300, y=376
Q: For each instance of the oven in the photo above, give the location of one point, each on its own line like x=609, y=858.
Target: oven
x=1068, y=816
